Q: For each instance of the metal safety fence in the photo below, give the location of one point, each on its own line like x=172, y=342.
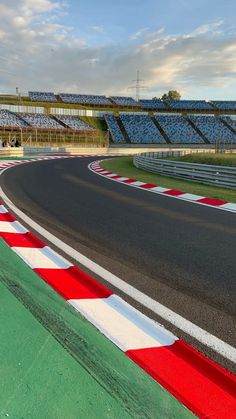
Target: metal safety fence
x=211, y=175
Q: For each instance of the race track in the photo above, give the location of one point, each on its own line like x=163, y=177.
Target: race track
x=179, y=253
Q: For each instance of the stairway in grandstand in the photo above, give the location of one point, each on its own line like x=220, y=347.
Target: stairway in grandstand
x=163, y=133
x=225, y=121
x=58, y=121
x=124, y=133
x=198, y=131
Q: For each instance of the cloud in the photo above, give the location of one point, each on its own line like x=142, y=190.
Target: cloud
x=98, y=29
x=213, y=28
x=37, y=51
x=138, y=34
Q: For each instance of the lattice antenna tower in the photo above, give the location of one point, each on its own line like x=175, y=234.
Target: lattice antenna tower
x=18, y=94
x=138, y=85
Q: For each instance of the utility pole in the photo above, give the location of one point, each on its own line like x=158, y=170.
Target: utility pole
x=138, y=85
x=18, y=94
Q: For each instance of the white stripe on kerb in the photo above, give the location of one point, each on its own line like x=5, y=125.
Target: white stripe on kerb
x=44, y=258
x=12, y=227
x=159, y=189
x=111, y=175
x=191, y=197
x=137, y=183
x=229, y=206
x=122, y=324
x=3, y=210
x=121, y=179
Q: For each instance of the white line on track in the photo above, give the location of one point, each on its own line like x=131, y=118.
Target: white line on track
x=229, y=207
x=219, y=346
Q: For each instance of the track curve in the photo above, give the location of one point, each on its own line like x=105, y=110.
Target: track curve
x=180, y=254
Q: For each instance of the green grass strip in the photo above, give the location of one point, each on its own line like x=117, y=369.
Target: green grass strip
x=124, y=166
x=218, y=159
x=55, y=364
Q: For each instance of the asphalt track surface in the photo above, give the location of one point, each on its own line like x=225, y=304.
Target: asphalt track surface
x=181, y=254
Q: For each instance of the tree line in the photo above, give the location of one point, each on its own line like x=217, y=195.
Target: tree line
x=171, y=95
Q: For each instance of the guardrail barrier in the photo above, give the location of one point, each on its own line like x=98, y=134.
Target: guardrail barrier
x=211, y=175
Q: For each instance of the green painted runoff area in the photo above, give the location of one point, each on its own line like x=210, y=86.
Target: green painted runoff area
x=54, y=364
x=124, y=166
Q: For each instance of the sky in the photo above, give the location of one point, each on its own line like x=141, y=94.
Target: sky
x=96, y=47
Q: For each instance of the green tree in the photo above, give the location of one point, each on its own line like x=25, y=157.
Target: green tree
x=165, y=97
x=171, y=95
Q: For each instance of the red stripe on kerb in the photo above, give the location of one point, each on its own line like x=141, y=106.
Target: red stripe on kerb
x=203, y=386
x=106, y=174
x=116, y=177
x=173, y=192
x=212, y=201
x=22, y=240
x=148, y=186
x=72, y=283
x=7, y=217
x=129, y=181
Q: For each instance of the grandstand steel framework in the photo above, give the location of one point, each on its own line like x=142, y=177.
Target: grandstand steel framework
x=53, y=137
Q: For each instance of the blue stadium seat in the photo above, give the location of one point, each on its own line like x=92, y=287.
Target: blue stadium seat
x=178, y=129
x=200, y=105
x=114, y=129
x=124, y=101
x=94, y=100
x=225, y=105
x=41, y=121
x=10, y=119
x=231, y=121
x=155, y=104
x=141, y=129
x=42, y=97
x=213, y=129
x=74, y=122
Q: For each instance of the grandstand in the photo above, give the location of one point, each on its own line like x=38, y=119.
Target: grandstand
x=134, y=127
x=124, y=101
x=129, y=102
x=189, y=105
x=74, y=122
x=94, y=100
x=114, y=129
x=141, y=129
x=10, y=119
x=152, y=104
x=224, y=105
x=41, y=121
x=178, y=129
x=174, y=121
x=42, y=97
x=212, y=128
x=230, y=121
